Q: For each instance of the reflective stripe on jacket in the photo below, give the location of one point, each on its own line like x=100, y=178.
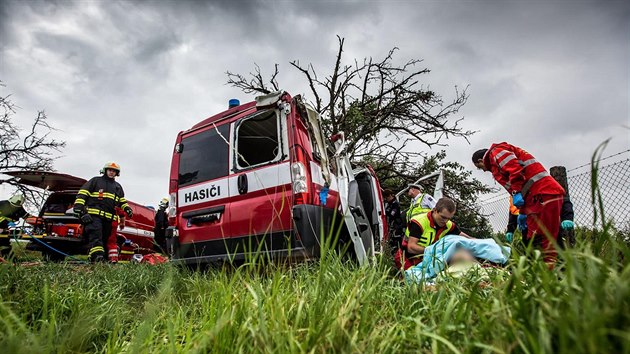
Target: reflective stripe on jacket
x=417, y=207
x=100, y=196
x=430, y=232
x=518, y=171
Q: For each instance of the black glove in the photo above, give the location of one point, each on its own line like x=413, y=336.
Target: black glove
x=86, y=219
x=129, y=212
x=78, y=211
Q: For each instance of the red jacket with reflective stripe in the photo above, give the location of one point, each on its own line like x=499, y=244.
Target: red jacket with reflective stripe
x=518, y=171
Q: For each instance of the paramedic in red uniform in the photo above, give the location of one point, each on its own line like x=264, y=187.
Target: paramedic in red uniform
x=538, y=196
x=112, y=241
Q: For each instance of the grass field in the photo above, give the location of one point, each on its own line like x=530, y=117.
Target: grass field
x=326, y=306
x=583, y=306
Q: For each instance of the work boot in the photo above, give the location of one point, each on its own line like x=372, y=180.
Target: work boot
x=97, y=257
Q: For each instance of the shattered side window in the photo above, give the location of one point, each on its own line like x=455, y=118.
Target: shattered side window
x=257, y=140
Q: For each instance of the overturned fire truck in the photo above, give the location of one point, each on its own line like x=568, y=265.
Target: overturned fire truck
x=262, y=178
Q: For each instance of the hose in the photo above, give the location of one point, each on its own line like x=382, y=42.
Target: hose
x=40, y=241
x=48, y=246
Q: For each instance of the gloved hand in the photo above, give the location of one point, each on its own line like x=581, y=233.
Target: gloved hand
x=509, y=237
x=86, y=218
x=517, y=200
x=129, y=212
x=567, y=225
x=78, y=210
x=521, y=220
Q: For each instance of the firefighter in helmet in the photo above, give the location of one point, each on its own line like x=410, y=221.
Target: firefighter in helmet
x=161, y=223
x=95, y=206
x=11, y=210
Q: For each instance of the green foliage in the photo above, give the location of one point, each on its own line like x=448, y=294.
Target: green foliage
x=459, y=185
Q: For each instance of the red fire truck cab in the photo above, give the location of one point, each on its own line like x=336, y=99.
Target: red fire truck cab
x=260, y=177
x=57, y=227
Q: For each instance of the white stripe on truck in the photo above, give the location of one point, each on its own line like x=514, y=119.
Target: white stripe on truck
x=259, y=179
x=204, y=192
x=263, y=178
x=136, y=232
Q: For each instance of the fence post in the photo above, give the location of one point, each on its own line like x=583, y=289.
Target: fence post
x=559, y=173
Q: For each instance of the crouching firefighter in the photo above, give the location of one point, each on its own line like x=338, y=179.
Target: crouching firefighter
x=96, y=206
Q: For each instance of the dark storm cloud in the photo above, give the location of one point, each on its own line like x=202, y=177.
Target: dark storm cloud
x=120, y=79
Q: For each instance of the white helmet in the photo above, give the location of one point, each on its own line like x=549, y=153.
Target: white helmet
x=17, y=199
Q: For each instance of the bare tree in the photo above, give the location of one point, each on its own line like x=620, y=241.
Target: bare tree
x=380, y=106
x=257, y=83
x=24, y=150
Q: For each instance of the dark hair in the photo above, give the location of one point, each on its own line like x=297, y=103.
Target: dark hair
x=445, y=203
x=478, y=155
x=387, y=193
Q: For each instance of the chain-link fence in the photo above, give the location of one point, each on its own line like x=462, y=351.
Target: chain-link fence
x=614, y=184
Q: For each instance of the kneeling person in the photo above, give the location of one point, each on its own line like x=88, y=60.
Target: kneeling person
x=426, y=229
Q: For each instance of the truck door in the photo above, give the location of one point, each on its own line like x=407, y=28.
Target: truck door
x=260, y=182
x=203, y=192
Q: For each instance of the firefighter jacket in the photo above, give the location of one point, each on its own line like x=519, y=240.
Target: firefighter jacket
x=394, y=218
x=566, y=213
x=518, y=171
x=161, y=221
x=100, y=196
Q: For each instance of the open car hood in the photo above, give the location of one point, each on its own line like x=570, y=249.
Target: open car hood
x=55, y=182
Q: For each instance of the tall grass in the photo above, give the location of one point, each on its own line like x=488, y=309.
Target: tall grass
x=583, y=306
x=317, y=307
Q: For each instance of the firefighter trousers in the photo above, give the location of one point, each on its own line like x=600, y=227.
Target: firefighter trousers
x=97, y=233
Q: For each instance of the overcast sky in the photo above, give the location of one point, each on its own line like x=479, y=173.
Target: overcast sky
x=121, y=79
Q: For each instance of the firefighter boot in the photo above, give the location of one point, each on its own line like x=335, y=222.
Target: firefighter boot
x=97, y=258
x=97, y=255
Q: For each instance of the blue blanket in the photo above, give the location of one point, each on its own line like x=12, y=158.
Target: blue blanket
x=437, y=255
